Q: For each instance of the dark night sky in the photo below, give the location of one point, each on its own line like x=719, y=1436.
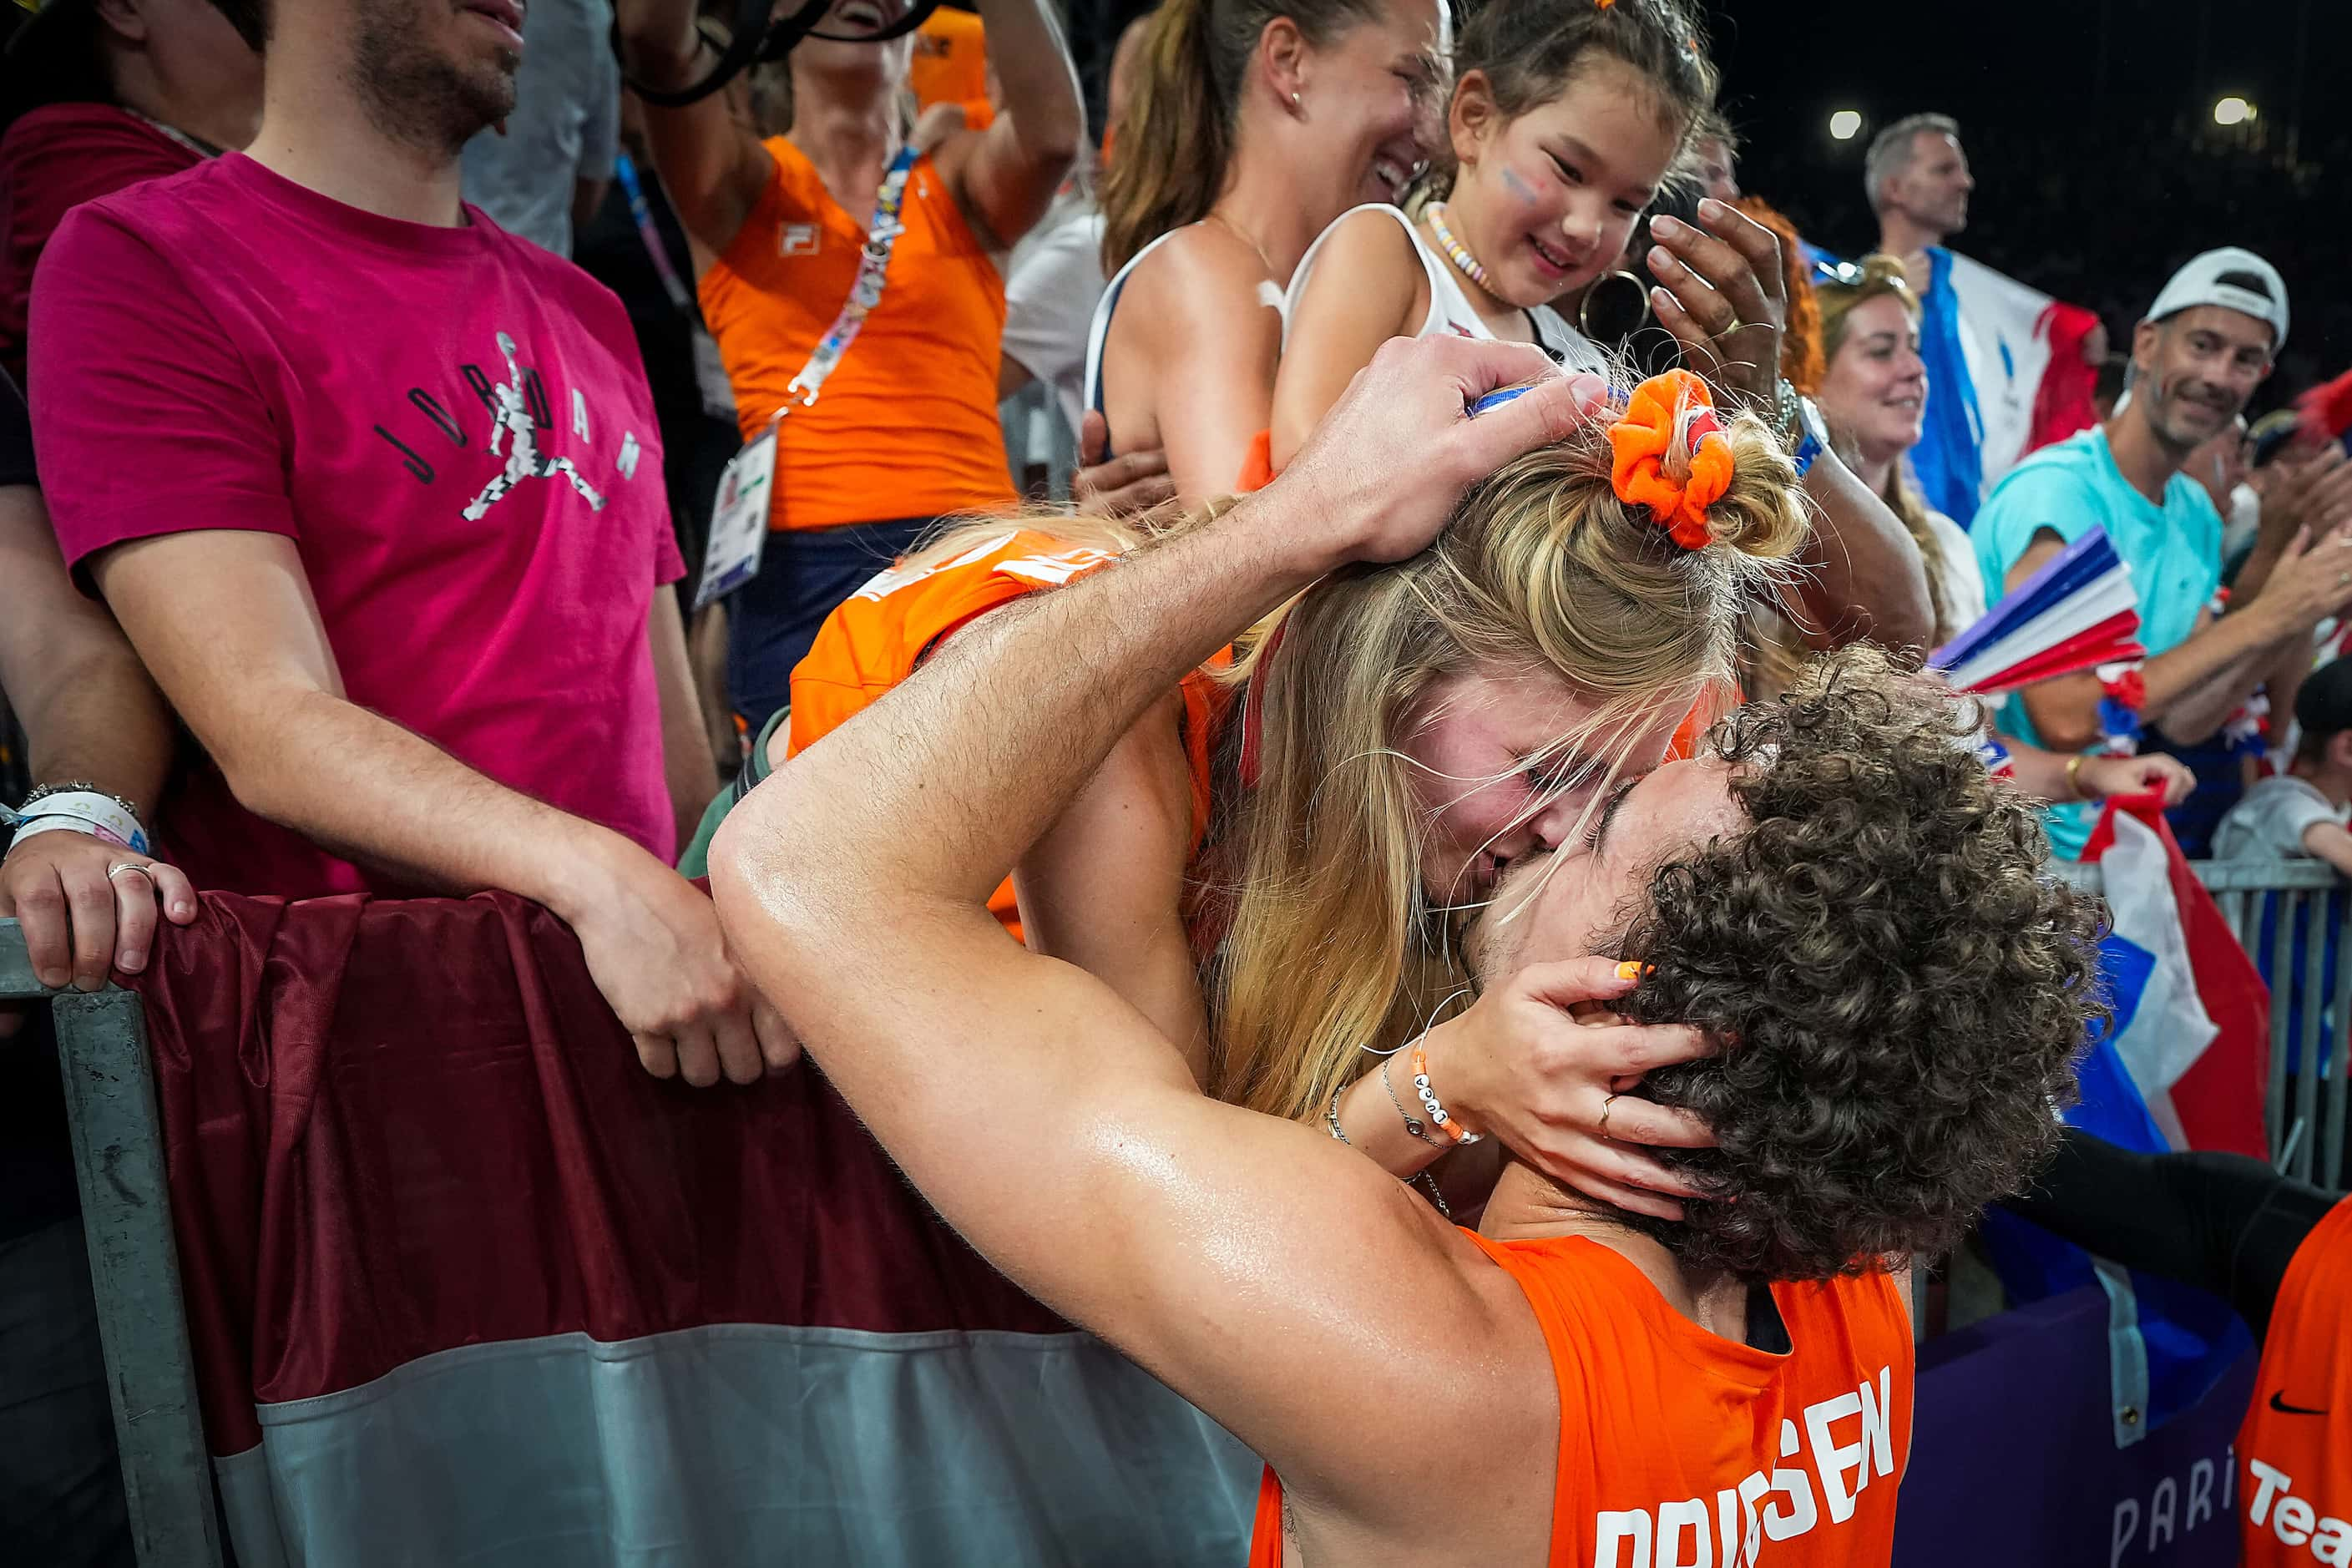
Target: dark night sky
x=2038, y=66
x=2023, y=63
x=2088, y=123
x=2089, y=127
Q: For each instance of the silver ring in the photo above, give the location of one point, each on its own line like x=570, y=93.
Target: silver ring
x=112, y=872
x=1607, y=1105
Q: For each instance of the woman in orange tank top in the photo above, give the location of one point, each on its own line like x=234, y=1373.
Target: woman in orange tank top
x=904, y=429
x=1742, y=1376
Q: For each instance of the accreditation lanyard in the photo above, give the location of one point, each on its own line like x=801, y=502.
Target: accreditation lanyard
x=624, y=169
x=738, y=522
x=709, y=371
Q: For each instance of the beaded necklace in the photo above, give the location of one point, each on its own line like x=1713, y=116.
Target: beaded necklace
x=1456, y=251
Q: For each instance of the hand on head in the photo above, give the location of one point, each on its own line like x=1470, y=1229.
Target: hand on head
x=1555, y=1086
x=1394, y=454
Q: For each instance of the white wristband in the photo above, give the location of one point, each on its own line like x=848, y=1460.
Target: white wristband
x=82, y=811
x=35, y=824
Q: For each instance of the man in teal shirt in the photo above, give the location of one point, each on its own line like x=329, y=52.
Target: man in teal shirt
x=2206, y=343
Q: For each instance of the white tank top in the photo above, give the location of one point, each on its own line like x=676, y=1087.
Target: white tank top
x=1098, y=331
x=1449, y=307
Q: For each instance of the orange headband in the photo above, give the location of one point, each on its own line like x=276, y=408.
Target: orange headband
x=1640, y=439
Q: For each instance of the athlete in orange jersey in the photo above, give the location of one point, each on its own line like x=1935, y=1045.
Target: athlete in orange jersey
x=2278, y=1250
x=2296, y=1444
x=1775, y=897
x=1678, y=1445
x=884, y=631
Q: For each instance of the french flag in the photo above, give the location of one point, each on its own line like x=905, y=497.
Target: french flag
x=2191, y=1016
x=2079, y=611
x=2005, y=377
x=2179, y=1064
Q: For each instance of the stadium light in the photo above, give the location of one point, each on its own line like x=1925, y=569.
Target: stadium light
x=1846, y=124
x=2233, y=111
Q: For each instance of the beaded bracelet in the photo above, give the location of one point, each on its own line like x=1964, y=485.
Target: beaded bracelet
x=1412, y=1124
x=1429, y=1101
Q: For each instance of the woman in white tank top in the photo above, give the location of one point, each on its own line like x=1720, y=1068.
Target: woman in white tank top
x=1249, y=126
x=1556, y=152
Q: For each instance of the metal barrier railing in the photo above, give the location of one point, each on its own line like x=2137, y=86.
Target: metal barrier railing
x=135, y=1268
x=135, y=1265
x=2305, y=1110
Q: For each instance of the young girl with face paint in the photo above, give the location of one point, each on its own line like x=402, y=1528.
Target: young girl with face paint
x=1565, y=121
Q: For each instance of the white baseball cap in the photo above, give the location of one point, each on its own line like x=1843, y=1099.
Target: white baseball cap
x=2206, y=280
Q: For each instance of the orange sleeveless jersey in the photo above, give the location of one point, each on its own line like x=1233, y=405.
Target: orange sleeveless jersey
x=906, y=427
x=1677, y=1446
x=2296, y=1444
x=878, y=636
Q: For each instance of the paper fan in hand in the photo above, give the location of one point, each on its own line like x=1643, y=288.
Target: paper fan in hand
x=2077, y=611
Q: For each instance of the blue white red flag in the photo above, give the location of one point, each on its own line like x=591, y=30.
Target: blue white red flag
x=2179, y=1064
x=1988, y=342
x=2079, y=611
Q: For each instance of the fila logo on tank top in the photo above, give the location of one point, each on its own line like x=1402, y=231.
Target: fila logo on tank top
x=520, y=414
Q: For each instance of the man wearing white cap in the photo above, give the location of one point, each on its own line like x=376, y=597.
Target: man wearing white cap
x=2206, y=344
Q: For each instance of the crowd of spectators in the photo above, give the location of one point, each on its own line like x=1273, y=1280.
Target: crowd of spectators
x=492, y=491
x=2103, y=224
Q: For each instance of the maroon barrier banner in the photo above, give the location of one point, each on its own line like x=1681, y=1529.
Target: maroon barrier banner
x=465, y=1284
x=2013, y=1458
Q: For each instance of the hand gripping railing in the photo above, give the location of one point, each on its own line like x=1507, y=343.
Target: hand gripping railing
x=126, y=1215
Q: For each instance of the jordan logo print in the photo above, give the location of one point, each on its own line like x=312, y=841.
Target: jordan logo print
x=510, y=423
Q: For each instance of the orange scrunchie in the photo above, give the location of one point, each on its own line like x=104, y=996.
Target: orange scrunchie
x=1640, y=439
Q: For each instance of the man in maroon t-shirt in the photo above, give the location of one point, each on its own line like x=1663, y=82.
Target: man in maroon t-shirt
x=374, y=488
x=104, y=98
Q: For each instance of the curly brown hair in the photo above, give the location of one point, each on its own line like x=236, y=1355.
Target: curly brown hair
x=1900, y=989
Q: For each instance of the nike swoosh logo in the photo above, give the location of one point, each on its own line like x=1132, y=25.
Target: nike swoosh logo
x=2279, y=1403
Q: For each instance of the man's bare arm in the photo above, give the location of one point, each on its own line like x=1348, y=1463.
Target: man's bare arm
x=89, y=709
x=225, y=623
x=686, y=748
x=90, y=714
x=2192, y=690
x=1274, y=1278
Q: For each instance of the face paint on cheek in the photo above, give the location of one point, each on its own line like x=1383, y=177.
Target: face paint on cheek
x=1517, y=184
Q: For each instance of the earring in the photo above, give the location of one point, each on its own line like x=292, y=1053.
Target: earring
x=1294, y=101
x=1641, y=293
